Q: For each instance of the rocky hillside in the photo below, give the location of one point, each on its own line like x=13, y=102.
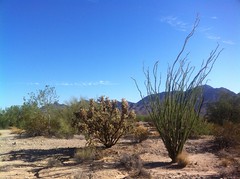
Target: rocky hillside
x=210, y=95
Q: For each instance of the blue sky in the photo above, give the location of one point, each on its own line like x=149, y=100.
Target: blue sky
x=89, y=48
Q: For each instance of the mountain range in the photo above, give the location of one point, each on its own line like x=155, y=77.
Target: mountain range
x=210, y=95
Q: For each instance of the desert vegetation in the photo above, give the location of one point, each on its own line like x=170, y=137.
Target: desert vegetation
x=114, y=135
x=225, y=115
x=175, y=115
x=104, y=122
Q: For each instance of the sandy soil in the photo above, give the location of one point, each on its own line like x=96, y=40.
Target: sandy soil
x=40, y=157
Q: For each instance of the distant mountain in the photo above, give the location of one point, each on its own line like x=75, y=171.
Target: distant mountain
x=210, y=95
x=55, y=105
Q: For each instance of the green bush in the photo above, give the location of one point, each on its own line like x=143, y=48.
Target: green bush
x=4, y=122
x=35, y=123
x=201, y=127
x=61, y=128
x=40, y=115
x=11, y=116
x=143, y=118
x=104, y=122
x=226, y=109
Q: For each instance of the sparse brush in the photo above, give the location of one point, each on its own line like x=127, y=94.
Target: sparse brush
x=131, y=162
x=227, y=135
x=54, y=162
x=85, y=154
x=140, y=133
x=182, y=160
x=134, y=164
x=15, y=130
x=227, y=162
x=81, y=175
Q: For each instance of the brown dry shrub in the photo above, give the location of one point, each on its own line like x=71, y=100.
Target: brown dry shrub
x=88, y=153
x=227, y=135
x=134, y=164
x=225, y=162
x=54, y=162
x=182, y=160
x=140, y=133
x=15, y=130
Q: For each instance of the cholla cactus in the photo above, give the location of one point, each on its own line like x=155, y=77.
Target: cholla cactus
x=104, y=122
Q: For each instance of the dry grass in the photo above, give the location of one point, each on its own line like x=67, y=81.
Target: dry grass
x=227, y=135
x=85, y=154
x=54, y=162
x=15, y=130
x=227, y=162
x=182, y=160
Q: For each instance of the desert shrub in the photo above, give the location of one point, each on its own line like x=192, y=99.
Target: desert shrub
x=201, y=127
x=35, y=124
x=104, y=122
x=10, y=117
x=231, y=165
x=68, y=113
x=227, y=135
x=4, y=122
x=54, y=162
x=134, y=164
x=37, y=111
x=131, y=162
x=41, y=115
x=15, y=130
x=182, y=160
x=140, y=133
x=65, y=130
x=60, y=124
x=227, y=161
x=85, y=154
x=226, y=109
x=143, y=118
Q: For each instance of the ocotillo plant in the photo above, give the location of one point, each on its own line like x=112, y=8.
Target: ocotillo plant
x=175, y=114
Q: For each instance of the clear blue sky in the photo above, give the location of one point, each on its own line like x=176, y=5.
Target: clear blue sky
x=89, y=48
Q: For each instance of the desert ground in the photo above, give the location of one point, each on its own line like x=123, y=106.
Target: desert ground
x=40, y=157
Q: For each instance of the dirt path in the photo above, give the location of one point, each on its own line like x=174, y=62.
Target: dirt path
x=41, y=157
